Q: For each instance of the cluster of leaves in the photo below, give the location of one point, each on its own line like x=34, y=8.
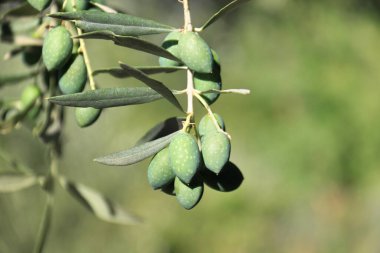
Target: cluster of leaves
x=54, y=49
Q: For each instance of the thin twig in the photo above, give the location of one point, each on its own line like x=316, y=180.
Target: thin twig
x=209, y=111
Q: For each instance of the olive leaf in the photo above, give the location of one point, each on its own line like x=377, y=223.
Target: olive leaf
x=130, y=42
x=17, y=9
x=152, y=83
x=228, y=179
x=149, y=70
x=44, y=225
x=121, y=24
x=12, y=53
x=162, y=129
x=137, y=153
x=11, y=182
x=229, y=7
x=108, y=97
x=17, y=77
x=99, y=205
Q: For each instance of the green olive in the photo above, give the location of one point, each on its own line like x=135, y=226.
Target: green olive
x=39, y=4
x=79, y=5
x=170, y=43
x=188, y=196
x=159, y=171
x=195, y=52
x=184, y=156
x=74, y=76
x=207, y=125
x=86, y=116
x=29, y=95
x=205, y=82
x=57, y=48
x=216, y=149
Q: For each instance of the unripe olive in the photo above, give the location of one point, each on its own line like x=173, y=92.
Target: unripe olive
x=195, y=52
x=207, y=125
x=74, y=77
x=86, y=116
x=184, y=156
x=216, y=148
x=39, y=4
x=209, y=81
x=205, y=82
x=79, y=5
x=31, y=55
x=188, y=196
x=29, y=95
x=159, y=171
x=170, y=43
x=57, y=48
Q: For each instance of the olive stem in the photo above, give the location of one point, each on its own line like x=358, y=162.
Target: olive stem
x=190, y=91
x=187, y=122
x=186, y=11
x=190, y=79
x=87, y=61
x=234, y=91
x=209, y=111
x=85, y=53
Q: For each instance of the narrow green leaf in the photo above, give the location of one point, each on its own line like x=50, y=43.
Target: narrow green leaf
x=44, y=225
x=11, y=182
x=17, y=9
x=152, y=83
x=16, y=77
x=130, y=42
x=99, y=205
x=121, y=73
x=121, y=24
x=162, y=129
x=109, y=97
x=137, y=153
x=12, y=53
x=229, y=7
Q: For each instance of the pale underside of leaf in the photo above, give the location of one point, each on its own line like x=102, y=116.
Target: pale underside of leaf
x=108, y=97
x=121, y=29
x=130, y=42
x=119, y=23
x=229, y=7
x=16, y=182
x=152, y=83
x=100, y=206
x=103, y=7
x=137, y=153
x=148, y=70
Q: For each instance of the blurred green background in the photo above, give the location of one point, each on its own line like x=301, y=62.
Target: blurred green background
x=307, y=140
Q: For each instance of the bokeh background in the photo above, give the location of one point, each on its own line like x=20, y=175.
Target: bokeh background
x=307, y=140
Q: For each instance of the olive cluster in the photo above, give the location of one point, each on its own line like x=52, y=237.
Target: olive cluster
x=184, y=166
x=60, y=54
x=199, y=57
x=190, y=161
x=62, y=57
